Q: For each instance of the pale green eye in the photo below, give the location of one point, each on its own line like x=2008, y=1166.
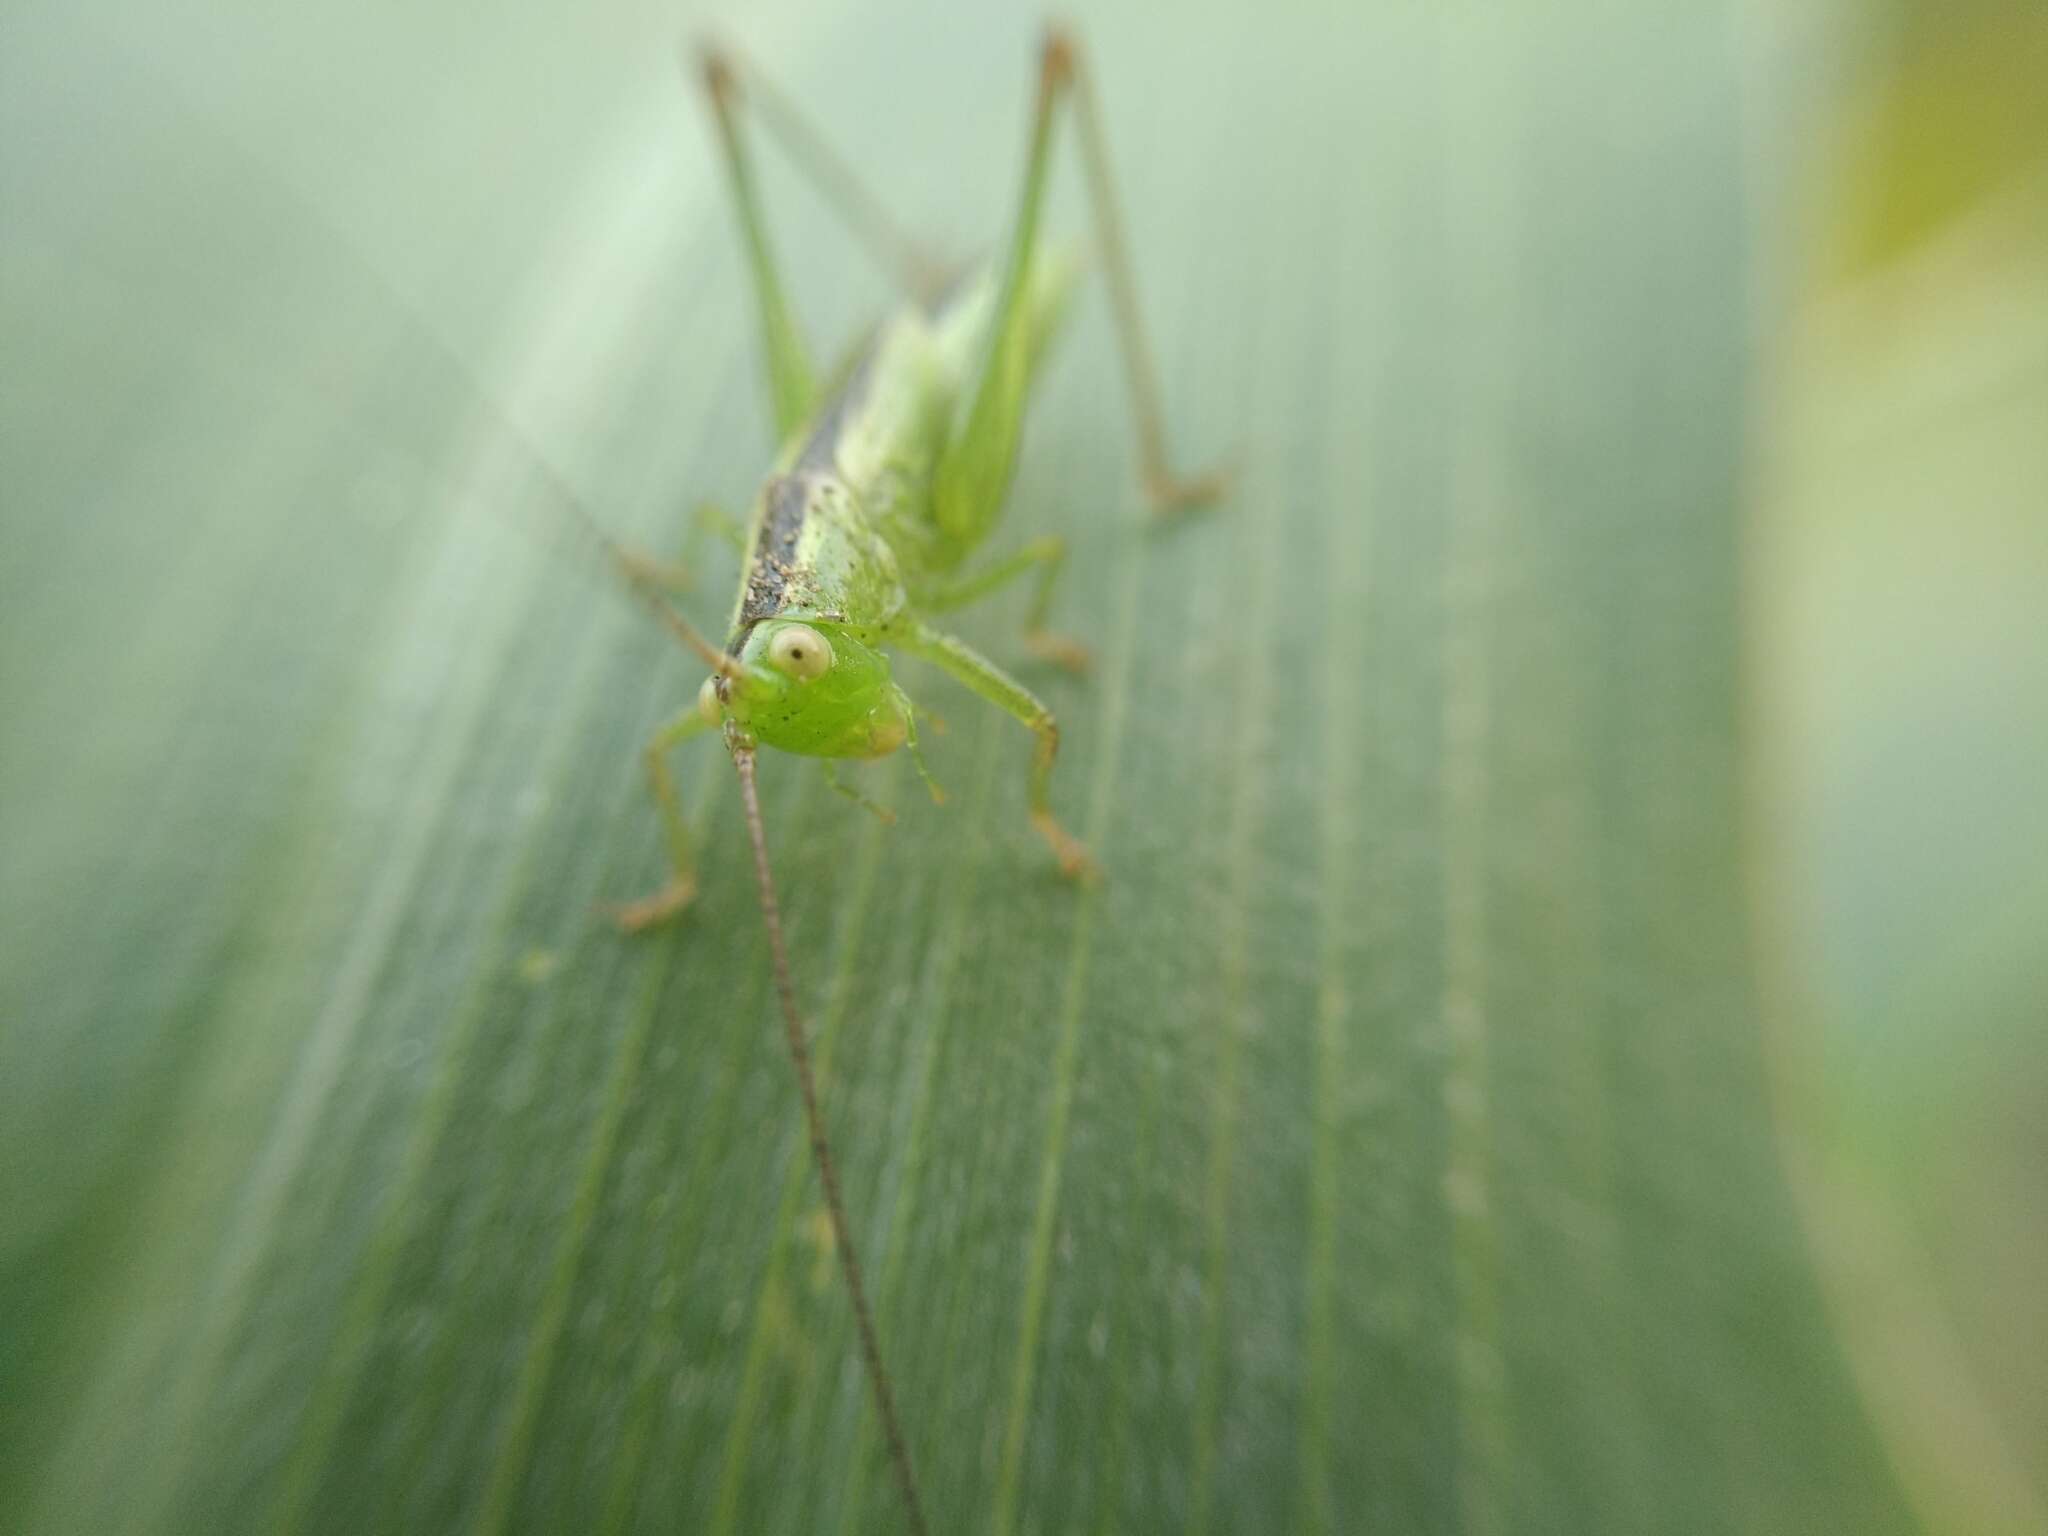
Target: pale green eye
x=707, y=701
x=800, y=651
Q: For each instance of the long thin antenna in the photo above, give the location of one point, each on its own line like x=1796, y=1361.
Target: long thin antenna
x=821, y=1149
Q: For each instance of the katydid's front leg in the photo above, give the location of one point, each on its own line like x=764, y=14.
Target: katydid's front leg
x=680, y=575
x=968, y=666
x=880, y=812
x=681, y=888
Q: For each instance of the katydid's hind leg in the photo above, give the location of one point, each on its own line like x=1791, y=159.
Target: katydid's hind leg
x=906, y=260
x=1168, y=491
x=792, y=386
x=975, y=472
x=729, y=82
x=984, y=677
x=681, y=886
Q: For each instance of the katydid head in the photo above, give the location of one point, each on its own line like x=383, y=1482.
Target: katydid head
x=812, y=687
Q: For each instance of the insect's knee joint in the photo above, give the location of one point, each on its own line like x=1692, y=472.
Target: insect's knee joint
x=1056, y=63
x=716, y=69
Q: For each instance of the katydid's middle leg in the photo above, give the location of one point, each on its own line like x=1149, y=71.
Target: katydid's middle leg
x=1047, y=557
x=966, y=665
x=681, y=887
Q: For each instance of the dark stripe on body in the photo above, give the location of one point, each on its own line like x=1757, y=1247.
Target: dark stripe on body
x=821, y=449
x=774, y=552
x=768, y=567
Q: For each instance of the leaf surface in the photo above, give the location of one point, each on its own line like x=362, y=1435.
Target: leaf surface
x=1383, y=1146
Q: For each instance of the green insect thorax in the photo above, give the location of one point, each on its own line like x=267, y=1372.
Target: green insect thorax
x=846, y=527
x=813, y=687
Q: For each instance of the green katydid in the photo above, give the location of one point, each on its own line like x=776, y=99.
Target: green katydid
x=883, y=488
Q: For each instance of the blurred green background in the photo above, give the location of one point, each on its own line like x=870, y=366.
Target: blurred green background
x=1561, y=1046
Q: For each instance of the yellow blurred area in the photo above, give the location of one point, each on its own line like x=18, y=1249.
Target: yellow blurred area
x=1899, y=568
x=1948, y=112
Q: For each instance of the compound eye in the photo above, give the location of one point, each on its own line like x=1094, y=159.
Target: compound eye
x=800, y=651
